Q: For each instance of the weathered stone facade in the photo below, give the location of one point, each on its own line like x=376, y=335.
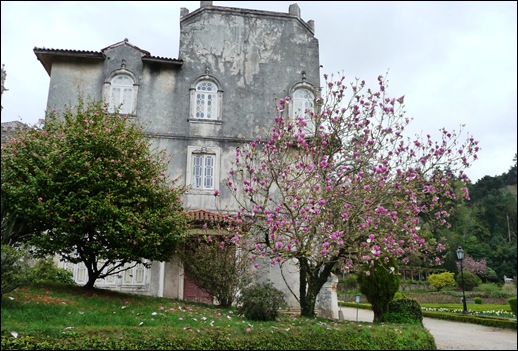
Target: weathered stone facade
x=233, y=67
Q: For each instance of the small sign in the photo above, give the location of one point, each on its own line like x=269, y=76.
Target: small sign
x=357, y=298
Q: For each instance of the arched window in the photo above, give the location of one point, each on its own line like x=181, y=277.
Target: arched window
x=121, y=94
x=302, y=105
x=206, y=100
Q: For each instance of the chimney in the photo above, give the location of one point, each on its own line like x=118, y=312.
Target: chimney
x=295, y=10
x=205, y=3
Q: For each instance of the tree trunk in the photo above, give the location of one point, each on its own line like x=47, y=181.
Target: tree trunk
x=311, y=281
x=92, y=275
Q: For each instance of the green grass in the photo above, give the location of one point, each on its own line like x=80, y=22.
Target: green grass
x=70, y=317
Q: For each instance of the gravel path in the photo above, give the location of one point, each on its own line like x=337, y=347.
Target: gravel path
x=450, y=335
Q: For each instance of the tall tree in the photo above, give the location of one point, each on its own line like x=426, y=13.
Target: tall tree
x=92, y=189
x=342, y=187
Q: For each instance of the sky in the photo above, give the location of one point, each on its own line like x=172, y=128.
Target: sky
x=455, y=61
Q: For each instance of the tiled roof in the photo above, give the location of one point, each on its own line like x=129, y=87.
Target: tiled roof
x=12, y=126
x=205, y=216
x=46, y=56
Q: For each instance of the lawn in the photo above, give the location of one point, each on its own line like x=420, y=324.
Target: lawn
x=55, y=317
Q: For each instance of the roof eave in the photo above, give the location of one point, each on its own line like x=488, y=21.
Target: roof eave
x=48, y=56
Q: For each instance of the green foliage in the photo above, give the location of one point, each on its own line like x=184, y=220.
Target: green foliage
x=478, y=300
x=509, y=289
x=441, y=280
x=379, y=285
x=399, y=295
x=404, y=311
x=14, y=231
x=261, y=302
x=93, y=189
x=351, y=282
x=471, y=281
x=46, y=271
x=217, y=266
x=512, y=303
x=15, y=269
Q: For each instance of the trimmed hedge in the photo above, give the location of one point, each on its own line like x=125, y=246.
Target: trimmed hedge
x=512, y=303
x=354, y=338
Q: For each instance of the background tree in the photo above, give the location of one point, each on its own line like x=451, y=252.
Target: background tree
x=92, y=189
x=216, y=265
x=342, y=186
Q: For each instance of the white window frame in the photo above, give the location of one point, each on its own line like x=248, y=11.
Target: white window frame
x=203, y=154
x=125, y=99
x=302, y=103
x=206, y=105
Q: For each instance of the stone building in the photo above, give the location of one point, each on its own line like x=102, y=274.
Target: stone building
x=233, y=66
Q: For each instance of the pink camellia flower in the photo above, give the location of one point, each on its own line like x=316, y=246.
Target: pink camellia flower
x=216, y=192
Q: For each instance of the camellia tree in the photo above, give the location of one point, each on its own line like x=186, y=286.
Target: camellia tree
x=91, y=188
x=342, y=187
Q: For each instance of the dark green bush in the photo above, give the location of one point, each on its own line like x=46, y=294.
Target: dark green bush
x=404, y=311
x=261, y=302
x=512, y=303
x=471, y=281
x=46, y=271
x=477, y=300
x=351, y=282
x=15, y=269
x=379, y=286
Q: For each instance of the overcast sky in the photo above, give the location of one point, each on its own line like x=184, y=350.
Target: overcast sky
x=456, y=62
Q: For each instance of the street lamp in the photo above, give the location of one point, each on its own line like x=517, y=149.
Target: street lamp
x=460, y=257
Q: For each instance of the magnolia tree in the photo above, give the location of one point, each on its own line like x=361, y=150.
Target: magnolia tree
x=475, y=267
x=91, y=189
x=343, y=187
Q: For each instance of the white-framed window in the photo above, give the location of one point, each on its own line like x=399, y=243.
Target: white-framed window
x=302, y=105
x=203, y=168
x=206, y=100
x=120, y=91
x=138, y=275
x=121, y=94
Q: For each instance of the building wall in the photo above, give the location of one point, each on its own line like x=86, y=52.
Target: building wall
x=69, y=80
x=255, y=57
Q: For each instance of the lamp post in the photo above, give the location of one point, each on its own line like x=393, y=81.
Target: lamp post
x=460, y=257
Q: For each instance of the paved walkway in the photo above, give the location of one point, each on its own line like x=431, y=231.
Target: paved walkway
x=450, y=335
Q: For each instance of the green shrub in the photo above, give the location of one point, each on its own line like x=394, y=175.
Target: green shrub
x=471, y=281
x=46, y=271
x=404, y=311
x=399, y=295
x=440, y=281
x=351, y=282
x=509, y=289
x=261, y=302
x=512, y=303
x=488, y=288
x=380, y=286
x=478, y=300
x=15, y=269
